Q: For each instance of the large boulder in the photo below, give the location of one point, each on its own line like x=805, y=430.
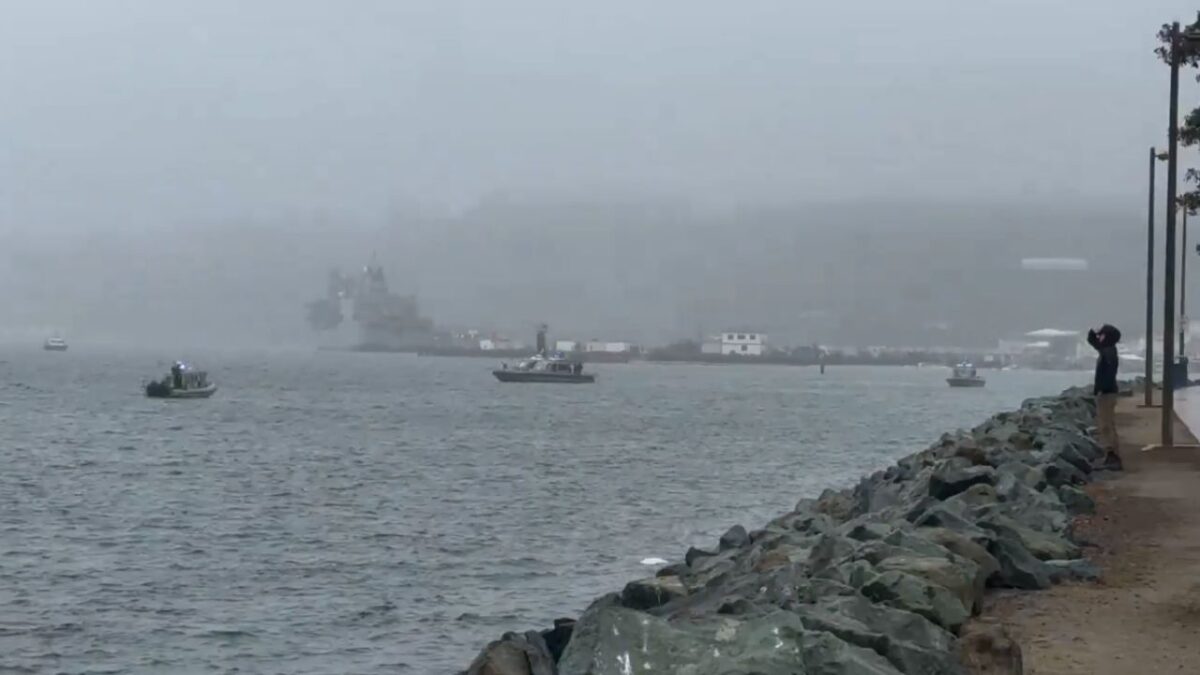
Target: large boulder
x=1018, y=567
x=951, y=516
x=964, y=546
x=1077, y=501
x=826, y=654
x=968, y=449
x=1071, y=455
x=956, y=475
x=1011, y=474
x=837, y=504
x=1038, y=510
x=981, y=494
x=652, y=592
x=867, y=530
x=914, y=539
x=695, y=555
x=1060, y=472
x=831, y=549
x=736, y=537
x=617, y=641
x=557, y=638
x=1042, y=545
x=910, y=642
x=515, y=654
x=777, y=587
x=959, y=578
x=914, y=594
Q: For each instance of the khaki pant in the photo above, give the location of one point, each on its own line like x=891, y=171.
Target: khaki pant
x=1106, y=421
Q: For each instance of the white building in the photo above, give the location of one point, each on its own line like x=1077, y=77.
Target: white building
x=566, y=345
x=740, y=343
x=608, y=347
x=499, y=344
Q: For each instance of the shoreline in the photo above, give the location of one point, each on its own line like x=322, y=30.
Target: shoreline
x=877, y=579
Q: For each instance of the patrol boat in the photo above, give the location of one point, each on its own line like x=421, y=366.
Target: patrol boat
x=182, y=382
x=554, y=367
x=545, y=367
x=965, y=375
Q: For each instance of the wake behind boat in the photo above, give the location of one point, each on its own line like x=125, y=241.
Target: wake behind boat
x=542, y=368
x=182, y=382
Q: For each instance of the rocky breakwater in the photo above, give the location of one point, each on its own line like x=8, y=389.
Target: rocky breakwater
x=878, y=579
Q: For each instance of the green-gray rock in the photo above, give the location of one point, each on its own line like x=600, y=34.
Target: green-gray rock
x=917, y=595
x=910, y=642
x=652, y=592
x=1077, y=501
x=617, y=641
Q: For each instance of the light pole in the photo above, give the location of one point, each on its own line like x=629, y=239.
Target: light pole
x=1175, y=57
x=1149, y=393
x=1182, y=47
x=1183, y=251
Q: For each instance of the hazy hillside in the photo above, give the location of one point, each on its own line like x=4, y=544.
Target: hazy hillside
x=898, y=273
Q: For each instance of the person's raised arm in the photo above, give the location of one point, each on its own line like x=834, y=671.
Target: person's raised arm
x=1093, y=339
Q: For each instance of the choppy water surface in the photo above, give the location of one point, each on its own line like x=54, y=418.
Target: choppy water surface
x=338, y=513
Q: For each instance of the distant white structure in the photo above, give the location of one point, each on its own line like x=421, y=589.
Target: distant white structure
x=499, y=343
x=747, y=343
x=1055, y=264
x=1052, y=333
x=566, y=345
x=608, y=347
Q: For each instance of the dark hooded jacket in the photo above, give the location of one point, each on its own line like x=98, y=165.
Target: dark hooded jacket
x=1105, y=343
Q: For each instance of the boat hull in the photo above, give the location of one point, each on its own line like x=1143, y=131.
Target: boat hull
x=966, y=381
x=542, y=377
x=54, y=348
x=164, y=392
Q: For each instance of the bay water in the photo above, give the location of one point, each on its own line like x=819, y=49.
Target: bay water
x=334, y=512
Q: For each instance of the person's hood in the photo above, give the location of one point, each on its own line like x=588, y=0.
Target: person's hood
x=1112, y=335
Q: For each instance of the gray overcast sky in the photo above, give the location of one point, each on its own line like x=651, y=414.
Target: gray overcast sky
x=122, y=112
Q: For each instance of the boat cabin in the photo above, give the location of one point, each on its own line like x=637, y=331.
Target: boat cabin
x=556, y=363
x=185, y=377
x=965, y=370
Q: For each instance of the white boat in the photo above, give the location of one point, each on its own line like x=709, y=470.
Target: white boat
x=183, y=382
x=55, y=344
x=965, y=375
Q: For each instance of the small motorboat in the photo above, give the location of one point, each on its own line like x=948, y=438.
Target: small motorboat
x=55, y=344
x=545, y=368
x=965, y=375
x=182, y=382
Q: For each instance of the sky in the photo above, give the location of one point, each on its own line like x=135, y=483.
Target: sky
x=168, y=160
x=142, y=113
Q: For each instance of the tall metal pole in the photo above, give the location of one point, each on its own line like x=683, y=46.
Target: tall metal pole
x=1183, y=256
x=1168, y=394
x=1149, y=393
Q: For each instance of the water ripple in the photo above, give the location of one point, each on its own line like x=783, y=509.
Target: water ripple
x=336, y=513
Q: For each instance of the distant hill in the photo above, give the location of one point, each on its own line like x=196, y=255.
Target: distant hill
x=863, y=273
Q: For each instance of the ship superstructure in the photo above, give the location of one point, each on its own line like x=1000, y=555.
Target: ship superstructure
x=386, y=321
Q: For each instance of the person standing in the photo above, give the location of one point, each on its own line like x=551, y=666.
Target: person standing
x=1104, y=340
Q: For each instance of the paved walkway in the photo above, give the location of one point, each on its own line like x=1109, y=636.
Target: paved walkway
x=1144, y=617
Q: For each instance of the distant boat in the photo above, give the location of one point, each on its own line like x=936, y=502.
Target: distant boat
x=182, y=382
x=55, y=344
x=965, y=375
x=541, y=368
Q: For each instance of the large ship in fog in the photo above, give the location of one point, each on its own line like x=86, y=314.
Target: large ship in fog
x=386, y=321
